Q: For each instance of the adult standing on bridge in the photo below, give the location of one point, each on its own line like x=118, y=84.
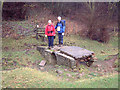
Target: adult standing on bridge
x=50, y=33
x=60, y=26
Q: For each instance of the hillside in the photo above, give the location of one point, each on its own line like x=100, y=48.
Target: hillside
x=21, y=63
x=89, y=25
x=93, y=23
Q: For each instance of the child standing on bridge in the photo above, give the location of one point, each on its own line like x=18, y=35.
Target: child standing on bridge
x=50, y=32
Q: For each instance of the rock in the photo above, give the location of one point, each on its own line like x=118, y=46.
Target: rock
x=59, y=71
x=41, y=49
x=41, y=68
x=67, y=79
x=76, y=52
x=63, y=59
x=69, y=75
x=50, y=57
x=98, y=69
x=7, y=36
x=102, y=52
x=99, y=65
x=76, y=74
x=6, y=48
x=75, y=70
x=42, y=63
x=57, y=75
x=65, y=69
x=78, y=77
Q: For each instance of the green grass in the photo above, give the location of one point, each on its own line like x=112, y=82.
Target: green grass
x=19, y=44
x=27, y=77
x=17, y=52
x=20, y=58
x=31, y=78
x=23, y=24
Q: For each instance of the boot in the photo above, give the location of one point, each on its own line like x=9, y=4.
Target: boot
x=59, y=45
x=49, y=48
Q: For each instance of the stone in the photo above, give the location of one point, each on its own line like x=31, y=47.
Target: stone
x=63, y=59
x=102, y=51
x=59, y=71
x=41, y=68
x=69, y=75
x=78, y=76
x=99, y=65
x=41, y=49
x=50, y=57
x=42, y=63
x=76, y=52
x=67, y=79
x=75, y=70
x=65, y=69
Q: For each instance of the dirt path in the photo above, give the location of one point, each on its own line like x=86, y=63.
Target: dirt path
x=106, y=66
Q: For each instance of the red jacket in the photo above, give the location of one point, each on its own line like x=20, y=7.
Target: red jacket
x=50, y=30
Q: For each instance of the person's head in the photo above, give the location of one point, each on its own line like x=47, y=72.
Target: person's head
x=49, y=22
x=59, y=18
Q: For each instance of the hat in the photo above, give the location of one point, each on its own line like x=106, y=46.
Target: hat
x=49, y=21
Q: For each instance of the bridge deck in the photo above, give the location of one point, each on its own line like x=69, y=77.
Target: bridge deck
x=76, y=52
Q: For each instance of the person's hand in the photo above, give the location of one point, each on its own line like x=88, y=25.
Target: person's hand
x=54, y=34
x=45, y=35
x=63, y=34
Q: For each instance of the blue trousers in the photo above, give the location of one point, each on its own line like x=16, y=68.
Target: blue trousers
x=50, y=41
x=60, y=36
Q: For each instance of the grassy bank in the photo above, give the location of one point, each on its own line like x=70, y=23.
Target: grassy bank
x=31, y=78
x=20, y=55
